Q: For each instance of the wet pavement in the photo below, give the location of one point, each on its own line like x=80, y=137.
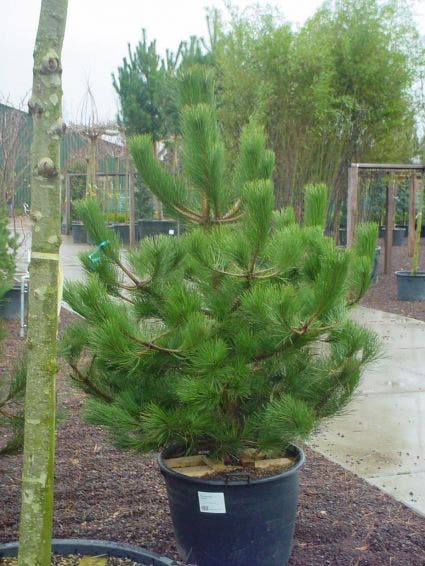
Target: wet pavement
x=381, y=435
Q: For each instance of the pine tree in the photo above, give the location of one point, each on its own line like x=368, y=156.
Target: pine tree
x=235, y=335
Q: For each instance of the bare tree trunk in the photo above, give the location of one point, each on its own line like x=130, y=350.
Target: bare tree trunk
x=39, y=441
x=91, y=166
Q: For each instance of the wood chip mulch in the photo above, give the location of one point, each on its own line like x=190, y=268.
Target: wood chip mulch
x=383, y=295
x=105, y=493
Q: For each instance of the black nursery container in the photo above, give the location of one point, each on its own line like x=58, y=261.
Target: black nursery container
x=10, y=304
x=234, y=523
x=398, y=235
x=79, y=233
x=410, y=287
x=92, y=547
x=123, y=231
x=149, y=228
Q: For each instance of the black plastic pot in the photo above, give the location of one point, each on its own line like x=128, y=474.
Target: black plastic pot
x=79, y=232
x=404, y=227
x=343, y=236
x=233, y=523
x=90, y=547
x=147, y=228
x=410, y=287
x=10, y=304
x=123, y=231
x=398, y=235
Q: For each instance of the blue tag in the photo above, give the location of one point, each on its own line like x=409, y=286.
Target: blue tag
x=95, y=255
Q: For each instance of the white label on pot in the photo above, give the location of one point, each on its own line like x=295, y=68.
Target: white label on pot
x=211, y=502
x=171, y=232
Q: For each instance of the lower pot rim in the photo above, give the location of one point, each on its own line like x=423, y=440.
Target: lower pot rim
x=408, y=273
x=94, y=547
x=255, y=481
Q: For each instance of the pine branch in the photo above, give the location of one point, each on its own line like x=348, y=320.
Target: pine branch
x=84, y=379
x=151, y=345
x=231, y=214
x=188, y=214
x=130, y=275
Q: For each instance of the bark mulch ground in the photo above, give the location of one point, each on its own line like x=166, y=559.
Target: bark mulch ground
x=383, y=295
x=105, y=493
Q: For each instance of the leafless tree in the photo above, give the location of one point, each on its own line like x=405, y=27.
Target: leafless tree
x=93, y=129
x=14, y=150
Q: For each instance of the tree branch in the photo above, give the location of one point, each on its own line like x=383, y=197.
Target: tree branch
x=84, y=379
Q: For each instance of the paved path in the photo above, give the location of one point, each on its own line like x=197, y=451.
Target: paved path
x=381, y=436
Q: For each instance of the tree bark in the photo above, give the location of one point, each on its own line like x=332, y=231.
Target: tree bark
x=39, y=439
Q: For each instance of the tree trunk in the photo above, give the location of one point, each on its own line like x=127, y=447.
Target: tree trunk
x=91, y=166
x=38, y=464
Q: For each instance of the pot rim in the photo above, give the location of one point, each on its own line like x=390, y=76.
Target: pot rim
x=255, y=481
x=408, y=273
x=94, y=547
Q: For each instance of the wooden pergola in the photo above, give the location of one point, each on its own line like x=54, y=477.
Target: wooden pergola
x=412, y=170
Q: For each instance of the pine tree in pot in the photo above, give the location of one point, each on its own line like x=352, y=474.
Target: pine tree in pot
x=411, y=284
x=225, y=346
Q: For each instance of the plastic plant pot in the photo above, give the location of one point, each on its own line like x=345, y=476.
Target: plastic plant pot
x=234, y=523
x=148, y=228
x=88, y=547
x=410, y=287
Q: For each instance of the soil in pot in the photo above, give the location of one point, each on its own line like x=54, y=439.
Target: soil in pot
x=202, y=466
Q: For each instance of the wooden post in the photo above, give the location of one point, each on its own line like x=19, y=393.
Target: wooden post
x=390, y=225
x=352, y=199
x=131, y=183
x=412, y=213
x=67, y=204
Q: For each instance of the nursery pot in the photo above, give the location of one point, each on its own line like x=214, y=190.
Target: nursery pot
x=79, y=233
x=89, y=547
x=398, y=235
x=233, y=523
x=343, y=236
x=410, y=287
x=123, y=231
x=404, y=227
x=147, y=228
x=11, y=307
